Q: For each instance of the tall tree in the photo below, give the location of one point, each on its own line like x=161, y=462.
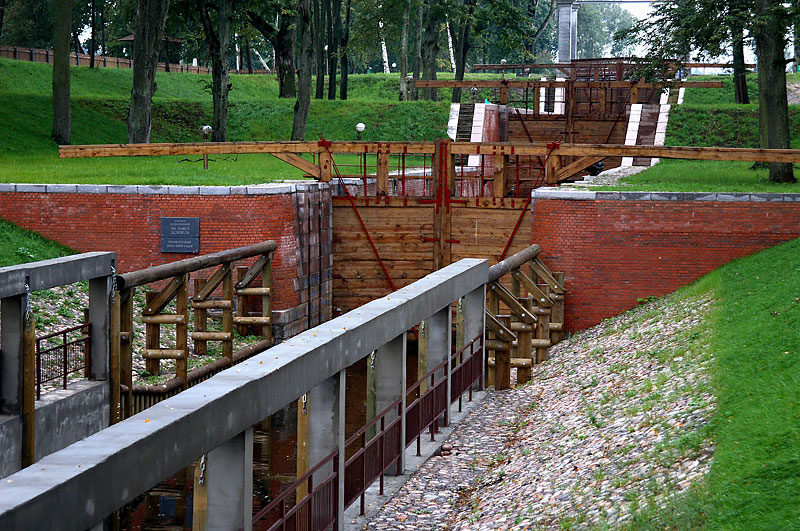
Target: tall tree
x=417, y=63
x=344, y=52
x=304, y=61
x=319, y=51
x=151, y=16
x=681, y=27
x=432, y=22
x=770, y=38
x=62, y=112
x=404, y=50
x=2, y=16
x=92, y=41
x=460, y=28
x=281, y=36
x=218, y=40
x=334, y=38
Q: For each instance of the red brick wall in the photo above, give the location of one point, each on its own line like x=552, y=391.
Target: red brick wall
x=614, y=252
x=129, y=224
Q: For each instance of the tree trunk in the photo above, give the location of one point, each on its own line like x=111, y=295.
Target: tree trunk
x=92, y=46
x=218, y=43
x=772, y=100
x=319, y=54
x=796, y=46
x=103, y=29
x=418, y=47
x=304, y=61
x=430, y=48
x=461, y=28
x=2, y=16
x=404, y=51
x=151, y=16
x=345, y=59
x=249, y=54
x=281, y=38
x=334, y=36
x=62, y=113
x=739, y=69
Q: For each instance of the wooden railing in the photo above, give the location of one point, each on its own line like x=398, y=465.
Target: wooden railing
x=169, y=305
x=522, y=337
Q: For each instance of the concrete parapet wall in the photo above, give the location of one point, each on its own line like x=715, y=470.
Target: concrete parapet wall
x=62, y=418
x=616, y=247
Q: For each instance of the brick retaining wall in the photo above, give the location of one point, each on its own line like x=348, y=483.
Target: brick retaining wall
x=126, y=220
x=616, y=247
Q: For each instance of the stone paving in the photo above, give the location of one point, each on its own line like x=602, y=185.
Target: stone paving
x=611, y=423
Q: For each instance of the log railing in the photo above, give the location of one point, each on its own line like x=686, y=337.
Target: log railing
x=535, y=319
x=169, y=305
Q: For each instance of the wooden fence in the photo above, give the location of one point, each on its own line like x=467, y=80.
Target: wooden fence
x=42, y=55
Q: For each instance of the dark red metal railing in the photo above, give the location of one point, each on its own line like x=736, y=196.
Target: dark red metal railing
x=378, y=452
x=315, y=510
x=57, y=362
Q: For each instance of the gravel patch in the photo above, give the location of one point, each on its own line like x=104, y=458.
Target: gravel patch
x=612, y=423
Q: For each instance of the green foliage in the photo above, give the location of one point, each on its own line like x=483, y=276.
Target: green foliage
x=20, y=246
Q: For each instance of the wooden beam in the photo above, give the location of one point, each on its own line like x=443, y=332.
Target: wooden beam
x=225, y=148
x=212, y=283
x=299, y=162
x=576, y=167
x=253, y=271
x=541, y=297
x=513, y=304
x=497, y=83
x=500, y=175
x=545, y=274
x=499, y=328
x=162, y=298
x=382, y=175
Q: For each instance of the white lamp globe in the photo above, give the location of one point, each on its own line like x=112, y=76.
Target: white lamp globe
x=360, y=127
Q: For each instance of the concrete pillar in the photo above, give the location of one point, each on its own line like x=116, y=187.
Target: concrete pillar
x=12, y=312
x=564, y=31
x=324, y=425
x=99, y=317
x=573, y=34
x=439, y=346
x=229, y=480
x=390, y=385
x=474, y=319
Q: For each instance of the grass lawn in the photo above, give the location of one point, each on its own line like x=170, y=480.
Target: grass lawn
x=709, y=117
x=182, y=103
x=703, y=176
x=754, y=482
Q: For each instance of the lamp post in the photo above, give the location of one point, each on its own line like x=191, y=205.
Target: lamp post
x=503, y=70
x=363, y=159
x=409, y=81
x=205, y=132
x=474, y=91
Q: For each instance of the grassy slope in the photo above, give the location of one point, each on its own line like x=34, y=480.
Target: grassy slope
x=182, y=103
x=709, y=117
x=18, y=246
x=754, y=481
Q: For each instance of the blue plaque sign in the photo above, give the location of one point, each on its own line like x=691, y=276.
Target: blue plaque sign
x=180, y=235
